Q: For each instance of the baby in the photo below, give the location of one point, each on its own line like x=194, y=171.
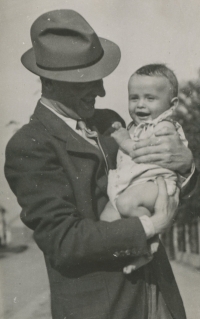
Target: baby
x=132, y=188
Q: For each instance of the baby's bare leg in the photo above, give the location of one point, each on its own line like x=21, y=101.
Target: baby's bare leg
x=138, y=200
x=109, y=214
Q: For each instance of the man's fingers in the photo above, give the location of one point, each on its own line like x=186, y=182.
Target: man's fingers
x=146, y=158
x=173, y=204
x=165, y=131
x=150, y=142
x=165, y=207
x=147, y=151
x=162, y=189
x=143, y=143
x=176, y=195
x=157, y=159
x=158, y=140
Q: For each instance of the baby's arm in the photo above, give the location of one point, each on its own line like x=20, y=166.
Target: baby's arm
x=122, y=137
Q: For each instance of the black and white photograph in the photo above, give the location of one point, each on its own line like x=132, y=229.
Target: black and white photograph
x=100, y=159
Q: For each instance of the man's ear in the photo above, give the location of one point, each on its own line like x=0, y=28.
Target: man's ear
x=47, y=85
x=174, y=102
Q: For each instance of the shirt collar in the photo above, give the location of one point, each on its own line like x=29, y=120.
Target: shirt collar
x=69, y=121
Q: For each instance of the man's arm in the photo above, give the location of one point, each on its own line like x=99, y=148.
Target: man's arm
x=45, y=193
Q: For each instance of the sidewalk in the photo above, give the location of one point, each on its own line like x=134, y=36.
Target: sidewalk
x=39, y=308
x=188, y=280
x=24, y=284
x=19, y=300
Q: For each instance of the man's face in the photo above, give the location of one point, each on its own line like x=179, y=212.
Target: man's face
x=149, y=96
x=80, y=97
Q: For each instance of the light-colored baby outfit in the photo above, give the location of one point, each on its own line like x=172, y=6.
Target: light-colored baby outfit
x=128, y=173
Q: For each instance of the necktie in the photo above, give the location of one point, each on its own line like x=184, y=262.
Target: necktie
x=87, y=134
x=92, y=137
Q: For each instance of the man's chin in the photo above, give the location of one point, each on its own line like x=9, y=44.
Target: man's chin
x=84, y=110
x=87, y=113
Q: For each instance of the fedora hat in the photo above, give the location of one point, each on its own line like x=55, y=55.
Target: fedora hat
x=66, y=48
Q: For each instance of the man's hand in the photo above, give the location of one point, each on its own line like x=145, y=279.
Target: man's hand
x=164, y=149
x=165, y=207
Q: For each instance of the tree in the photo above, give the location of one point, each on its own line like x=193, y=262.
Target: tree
x=188, y=115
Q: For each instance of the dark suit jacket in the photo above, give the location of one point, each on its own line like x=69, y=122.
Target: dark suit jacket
x=60, y=183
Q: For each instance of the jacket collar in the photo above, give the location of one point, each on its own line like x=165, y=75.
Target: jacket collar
x=59, y=129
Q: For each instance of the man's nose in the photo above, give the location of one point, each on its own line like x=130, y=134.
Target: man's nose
x=98, y=88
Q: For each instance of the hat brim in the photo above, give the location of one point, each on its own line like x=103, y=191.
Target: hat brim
x=99, y=70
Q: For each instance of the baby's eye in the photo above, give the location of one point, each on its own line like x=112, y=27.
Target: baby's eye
x=150, y=98
x=133, y=98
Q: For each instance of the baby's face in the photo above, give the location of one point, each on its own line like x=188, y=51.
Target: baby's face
x=149, y=96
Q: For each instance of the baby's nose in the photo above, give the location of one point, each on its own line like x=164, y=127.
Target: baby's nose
x=140, y=102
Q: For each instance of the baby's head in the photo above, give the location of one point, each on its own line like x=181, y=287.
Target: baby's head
x=153, y=89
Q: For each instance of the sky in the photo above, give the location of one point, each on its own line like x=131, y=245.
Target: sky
x=147, y=31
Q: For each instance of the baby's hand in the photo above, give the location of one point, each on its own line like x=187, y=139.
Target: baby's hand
x=116, y=125
x=121, y=134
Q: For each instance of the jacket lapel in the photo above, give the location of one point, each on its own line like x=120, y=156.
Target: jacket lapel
x=59, y=129
x=109, y=148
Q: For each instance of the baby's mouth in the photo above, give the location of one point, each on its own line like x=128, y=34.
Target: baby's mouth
x=142, y=114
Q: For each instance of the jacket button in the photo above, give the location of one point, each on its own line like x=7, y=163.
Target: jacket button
x=133, y=252
x=122, y=253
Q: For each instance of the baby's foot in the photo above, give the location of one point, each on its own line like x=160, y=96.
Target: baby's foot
x=129, y=269
x=154, y=244
x=137, y=263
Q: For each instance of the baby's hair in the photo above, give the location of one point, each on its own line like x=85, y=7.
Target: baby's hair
x=160, y=70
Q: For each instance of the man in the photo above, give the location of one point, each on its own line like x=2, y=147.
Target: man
x=57, y=169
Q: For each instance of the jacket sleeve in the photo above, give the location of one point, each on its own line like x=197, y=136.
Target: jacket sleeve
x=191, y=186
x=48, y=207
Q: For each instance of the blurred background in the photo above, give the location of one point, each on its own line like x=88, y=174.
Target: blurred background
x=147, y=31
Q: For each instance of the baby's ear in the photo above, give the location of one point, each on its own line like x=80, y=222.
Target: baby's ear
x=174, y=102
